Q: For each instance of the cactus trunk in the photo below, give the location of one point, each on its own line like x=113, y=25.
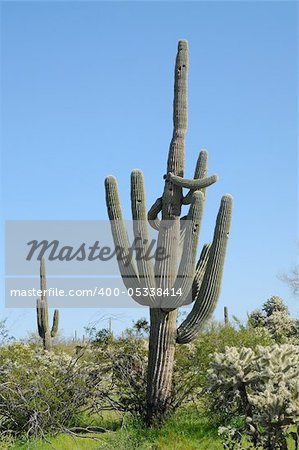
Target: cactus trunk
x=160, y=363
x=47, y=341
x=163, y=329
x=42, y=312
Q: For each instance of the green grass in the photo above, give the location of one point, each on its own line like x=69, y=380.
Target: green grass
x=185, y=431
x=59, y=442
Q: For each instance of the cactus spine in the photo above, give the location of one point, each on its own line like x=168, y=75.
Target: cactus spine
x=42, y=312
x=203, y=280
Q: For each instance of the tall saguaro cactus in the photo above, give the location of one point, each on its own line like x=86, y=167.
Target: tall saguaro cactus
x=42, y=312
x=179, y=270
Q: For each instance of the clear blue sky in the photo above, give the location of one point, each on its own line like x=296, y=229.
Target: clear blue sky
x=87, y=91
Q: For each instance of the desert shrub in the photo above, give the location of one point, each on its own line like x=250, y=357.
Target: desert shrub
x=125, y=362
x=258, y=391
x=102, y=336
x=274, y=317
x=292, y=279
x=5, y=337
x=129, y=366
x=141, y=327
x=43, y=391
x=192, y=360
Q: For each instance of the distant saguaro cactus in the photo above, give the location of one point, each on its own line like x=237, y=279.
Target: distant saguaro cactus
x=199, y=282
x=42, y=312
x=225, y=313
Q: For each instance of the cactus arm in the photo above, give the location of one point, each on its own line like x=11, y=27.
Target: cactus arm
x=200, y=270
x=200, y=172
x=118, y=228
x=209, y=291
x=201, y=164
x=55, y=324
x=185, y=275
x=199, y=274
x=194, y=185
x=152, y=215
x=126, y=264
x=183, y=229
x=176, y=156
x=140, y=228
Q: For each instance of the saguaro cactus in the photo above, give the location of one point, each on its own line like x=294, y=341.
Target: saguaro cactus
x=225, y=313
x=42, y=312
x=201, y=282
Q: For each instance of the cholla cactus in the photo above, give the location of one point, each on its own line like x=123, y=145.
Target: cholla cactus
x=198, y=283
x=233, y=367
x=283, y=328
x=42, y=312
x=274, y=304
x=257, y=318
x=262, y=386
x=274, y=317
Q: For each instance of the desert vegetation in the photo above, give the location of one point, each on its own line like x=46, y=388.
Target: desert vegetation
x=172, y=382
x=234, y=386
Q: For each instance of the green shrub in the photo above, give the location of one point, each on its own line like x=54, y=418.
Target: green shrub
x=5, y=337
x=124, y=361
x=43, y=392
x=193, y=360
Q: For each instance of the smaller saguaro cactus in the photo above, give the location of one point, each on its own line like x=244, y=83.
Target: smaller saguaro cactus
x=225, y=312
x=42, y=312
